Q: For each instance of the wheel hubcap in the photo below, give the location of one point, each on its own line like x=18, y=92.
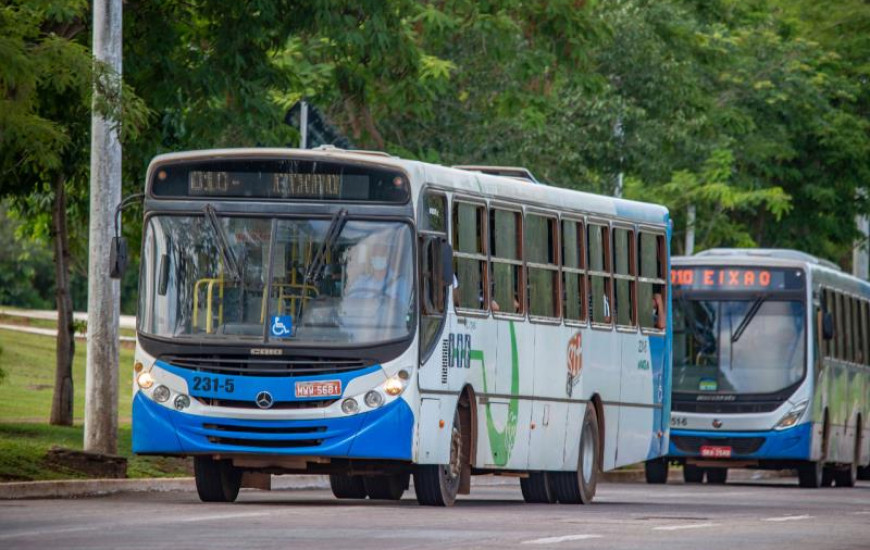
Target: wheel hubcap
x=588, y=453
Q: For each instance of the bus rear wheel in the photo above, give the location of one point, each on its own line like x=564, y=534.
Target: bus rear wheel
x=216, y=480
x=693, y=474
x=864, y=473
x=345, y=486
x=538, y=488
x=438, y=484
x=386, y=487
x=578, y=487
x=656, y=471
x=717, y=476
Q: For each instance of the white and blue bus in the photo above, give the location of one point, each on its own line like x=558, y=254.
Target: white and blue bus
x=771, y=367
x=370, y=318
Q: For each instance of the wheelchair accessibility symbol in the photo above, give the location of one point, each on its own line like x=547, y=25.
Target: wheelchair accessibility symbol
x=281, y=326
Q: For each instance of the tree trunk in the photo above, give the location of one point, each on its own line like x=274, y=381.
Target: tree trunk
x=62, y=402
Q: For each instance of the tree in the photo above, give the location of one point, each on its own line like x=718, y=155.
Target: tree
x=45, y=90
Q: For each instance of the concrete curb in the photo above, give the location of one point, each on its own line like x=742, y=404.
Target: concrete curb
x=79, y=488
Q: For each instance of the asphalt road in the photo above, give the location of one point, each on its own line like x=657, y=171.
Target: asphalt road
x=750, y=515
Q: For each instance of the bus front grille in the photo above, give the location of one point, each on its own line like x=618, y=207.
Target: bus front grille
x=241, y=404
x=281, y=430
x=241, y=365
x=739, y=445
x=265, y=443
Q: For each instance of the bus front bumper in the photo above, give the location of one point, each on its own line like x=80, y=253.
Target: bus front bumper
x=384, y=433
x=789, y=444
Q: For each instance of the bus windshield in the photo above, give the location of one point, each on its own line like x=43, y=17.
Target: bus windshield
x=738, y=346
x=290, y=281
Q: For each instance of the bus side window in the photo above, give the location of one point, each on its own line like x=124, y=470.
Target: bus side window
x=542, y=266
x=865, y=337
x=469, y=253
x=624, y=276
x=600, y=297
x=573, y=271
x=857, y=341
x=508, y=286
x=839, y=327
x=651, y=301
x=433, y=291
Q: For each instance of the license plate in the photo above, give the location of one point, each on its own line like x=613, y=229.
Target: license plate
x=711, y=451
x=329, y=388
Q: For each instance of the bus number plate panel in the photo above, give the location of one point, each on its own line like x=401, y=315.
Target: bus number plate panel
x=329, y=388
x=715, y=451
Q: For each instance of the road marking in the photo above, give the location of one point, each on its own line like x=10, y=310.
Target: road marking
x=41, y=532
x=787, y=518
x=862, y=513
x=215, y=517
x=680, y=527
x=557, y=540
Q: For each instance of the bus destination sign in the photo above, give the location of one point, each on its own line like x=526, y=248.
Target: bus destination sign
x=737, y=278
x=279, y=179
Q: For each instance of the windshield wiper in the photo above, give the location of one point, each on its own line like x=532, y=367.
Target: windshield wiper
x=226, y=250
x=315, y=268
x=753, y=309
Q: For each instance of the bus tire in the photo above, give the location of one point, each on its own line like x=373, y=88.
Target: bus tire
x=578, y=487
x=693, y=474
x=346, y=486
x=864, y=473
x=717, y=476
x=811, y=474
x=846, y=477
x=538, y=488
x=656, y=471
x=216, y=480
x=386, y=487
x=438, y=484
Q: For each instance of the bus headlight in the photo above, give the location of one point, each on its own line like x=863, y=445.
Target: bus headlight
x=161, y=394
x=145, y=380
x=791, y=417
x=349, y=406
x=182, y=402
x=374, y=399
x=397, y=383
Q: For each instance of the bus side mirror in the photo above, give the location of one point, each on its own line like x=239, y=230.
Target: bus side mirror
x=446, y=263
x=827, y=325
x=118, y=258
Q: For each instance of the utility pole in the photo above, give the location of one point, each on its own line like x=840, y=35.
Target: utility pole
x=860, y=261
x=690, y=230
x=101, y=381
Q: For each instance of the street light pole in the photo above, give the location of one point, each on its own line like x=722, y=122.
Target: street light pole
x=101, y=381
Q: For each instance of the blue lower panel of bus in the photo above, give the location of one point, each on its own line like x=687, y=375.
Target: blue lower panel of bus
x=384, y=433
x=793, y=443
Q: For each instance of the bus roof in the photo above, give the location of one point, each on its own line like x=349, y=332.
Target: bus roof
x=463, y=181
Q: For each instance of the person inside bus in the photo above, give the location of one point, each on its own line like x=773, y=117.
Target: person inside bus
x=658, y=309
x=377, y=280
x=493, y=305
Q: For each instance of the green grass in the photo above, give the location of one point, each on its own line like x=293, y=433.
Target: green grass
x=25, y=405
x=29, y=362
x=47, y=323
x=23, y=448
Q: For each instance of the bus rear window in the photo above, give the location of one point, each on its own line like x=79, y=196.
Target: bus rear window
x=283, y=179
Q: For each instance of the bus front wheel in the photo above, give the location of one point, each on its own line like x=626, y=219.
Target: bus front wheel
x=386, y=487
x=810, y=474
x=346, y=486
x=216, y=480
x=579, y=487
x=438, y=484
x=656, y=471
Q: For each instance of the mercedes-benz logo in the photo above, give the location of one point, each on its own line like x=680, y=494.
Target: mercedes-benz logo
x=717, y=423
x=264, y=400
